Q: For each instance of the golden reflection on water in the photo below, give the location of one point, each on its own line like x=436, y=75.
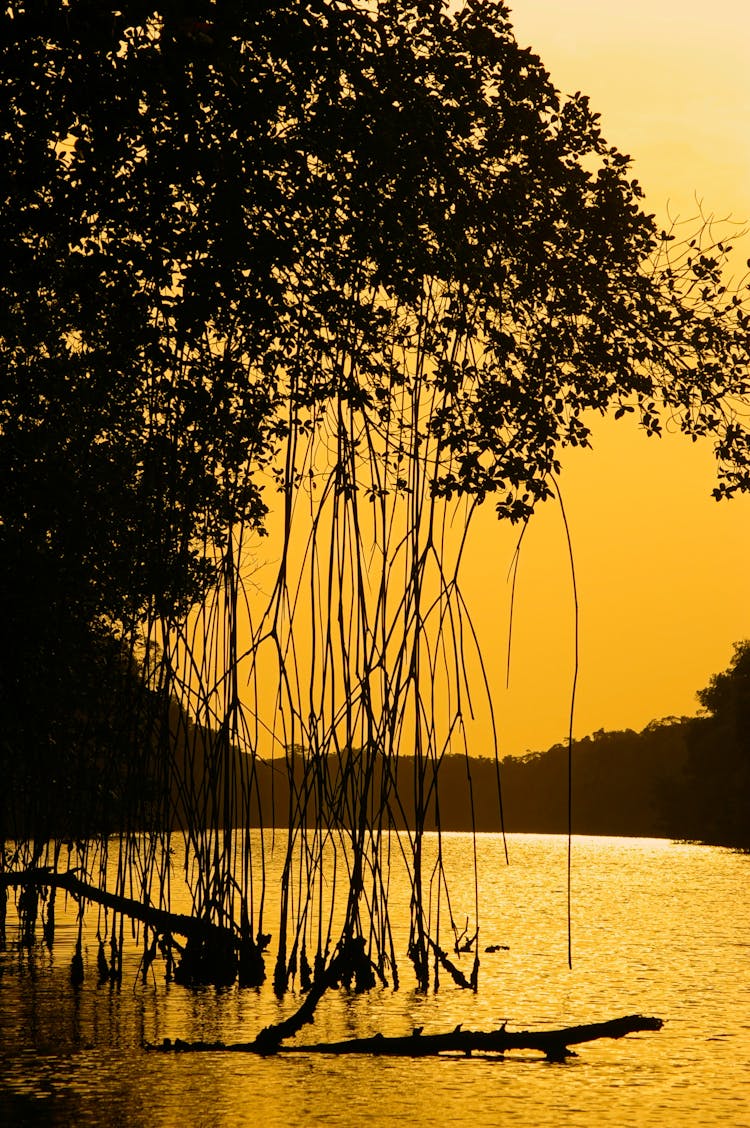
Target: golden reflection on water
x=658, y=928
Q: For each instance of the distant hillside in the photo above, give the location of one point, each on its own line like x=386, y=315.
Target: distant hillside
x=685, y=778
x=131, y=762
x=680, y=778
x=624, y=783
x=648, y=783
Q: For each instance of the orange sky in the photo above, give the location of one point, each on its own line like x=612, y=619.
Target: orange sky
x=662, y=568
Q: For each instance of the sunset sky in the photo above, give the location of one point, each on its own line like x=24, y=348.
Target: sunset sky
x=662, y=568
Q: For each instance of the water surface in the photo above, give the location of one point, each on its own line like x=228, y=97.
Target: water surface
x=658, y=928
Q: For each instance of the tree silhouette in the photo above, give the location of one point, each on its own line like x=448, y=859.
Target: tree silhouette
x=216, y=215
x=717, y=783
x=251, y=246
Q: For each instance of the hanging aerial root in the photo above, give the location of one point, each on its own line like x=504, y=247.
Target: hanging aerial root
x=554, y=1044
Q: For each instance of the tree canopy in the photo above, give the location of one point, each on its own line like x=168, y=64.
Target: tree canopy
x=219, y=219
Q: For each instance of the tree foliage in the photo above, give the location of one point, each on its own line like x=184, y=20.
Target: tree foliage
x=717, y=786
x=726, y=698
x=220, y=217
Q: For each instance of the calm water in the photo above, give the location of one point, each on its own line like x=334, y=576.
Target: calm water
x=658, y=928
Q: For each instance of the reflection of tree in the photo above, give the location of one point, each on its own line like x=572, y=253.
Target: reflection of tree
x=372, y=259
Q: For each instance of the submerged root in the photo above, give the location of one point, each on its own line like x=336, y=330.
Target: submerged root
x=28, y=907
x=355, y=966
x=102, y=966
x=251, y=965
x=212, y=955
x=455, y=973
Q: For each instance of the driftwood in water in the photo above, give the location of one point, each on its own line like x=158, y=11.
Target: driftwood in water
x=349, y=965
x=160, y=920
x=270, y=1038
x=554, y=1044
x=213, y=954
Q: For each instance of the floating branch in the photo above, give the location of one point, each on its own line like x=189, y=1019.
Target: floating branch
x=554, y=1044
x=213, y=953
x=160, y=920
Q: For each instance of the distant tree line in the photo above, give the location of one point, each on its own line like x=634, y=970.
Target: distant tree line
x=685, y=778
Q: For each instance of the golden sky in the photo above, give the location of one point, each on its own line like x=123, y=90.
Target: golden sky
x=662, y=568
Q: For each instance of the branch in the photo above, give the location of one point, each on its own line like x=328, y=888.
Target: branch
x=160, y=920
x=554, y=1044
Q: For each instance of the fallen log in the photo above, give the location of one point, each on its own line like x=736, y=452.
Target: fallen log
x=160, y=920
x=213, y=954
x=554, y=1044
